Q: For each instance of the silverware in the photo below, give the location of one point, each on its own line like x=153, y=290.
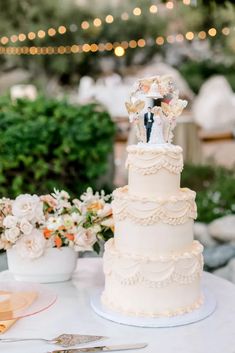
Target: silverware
x=64, y=340
x=123, y=347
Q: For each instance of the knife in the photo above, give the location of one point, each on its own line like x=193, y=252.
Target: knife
x=123, y=347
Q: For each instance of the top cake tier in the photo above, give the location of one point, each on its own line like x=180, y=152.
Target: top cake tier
x=154, y=169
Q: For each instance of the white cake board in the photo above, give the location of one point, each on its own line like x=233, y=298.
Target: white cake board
x=207, y=308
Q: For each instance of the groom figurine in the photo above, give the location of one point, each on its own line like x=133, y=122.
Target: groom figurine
x=148, y=122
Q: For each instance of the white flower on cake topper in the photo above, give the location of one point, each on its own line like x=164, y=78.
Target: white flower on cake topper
x=134, y=109
x=172, y=110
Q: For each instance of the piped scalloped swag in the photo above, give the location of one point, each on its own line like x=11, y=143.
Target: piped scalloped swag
x=173, y=210
x=130, y=269
x=148, y=160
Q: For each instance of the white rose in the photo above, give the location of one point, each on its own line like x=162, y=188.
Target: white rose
x=31, y=246
x=12, y=234
x=25, y=226
x=28, y=206
x=84, y=239
x=10, y=221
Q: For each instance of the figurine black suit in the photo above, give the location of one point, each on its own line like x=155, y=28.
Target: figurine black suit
x=148, y=122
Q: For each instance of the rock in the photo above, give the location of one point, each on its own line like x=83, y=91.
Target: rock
x=13, y=77
x=23, y=91
x=227, y=272
x=201, y=233
x=213, y=110
x=223, y=228
x=218, y=256
x=223, y=272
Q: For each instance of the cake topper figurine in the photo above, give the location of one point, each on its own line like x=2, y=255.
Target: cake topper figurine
x=154, y=108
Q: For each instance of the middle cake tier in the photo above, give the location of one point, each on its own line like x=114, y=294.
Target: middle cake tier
x=156, y=226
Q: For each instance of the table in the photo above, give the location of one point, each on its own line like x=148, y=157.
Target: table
x=72, y=314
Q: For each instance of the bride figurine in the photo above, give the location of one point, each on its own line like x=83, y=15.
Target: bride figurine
x=157, y=132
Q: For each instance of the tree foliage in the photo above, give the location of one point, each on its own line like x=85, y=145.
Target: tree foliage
x=48, y=143
x=30, y=15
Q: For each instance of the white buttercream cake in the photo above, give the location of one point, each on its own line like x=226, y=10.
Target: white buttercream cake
x=153, y=266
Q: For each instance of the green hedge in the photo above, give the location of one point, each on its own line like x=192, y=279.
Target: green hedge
x=215, y=187
x=48, y=143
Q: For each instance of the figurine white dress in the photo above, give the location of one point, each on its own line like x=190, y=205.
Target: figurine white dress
x=157, y=133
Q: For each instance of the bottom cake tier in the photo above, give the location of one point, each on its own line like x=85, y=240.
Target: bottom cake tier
x=153, y=287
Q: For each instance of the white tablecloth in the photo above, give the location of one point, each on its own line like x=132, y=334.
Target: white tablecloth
x=72, y=314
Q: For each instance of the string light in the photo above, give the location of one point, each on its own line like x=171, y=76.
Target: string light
x=160, y=40
x=124, y=16
x=202, y=35
x=94, y=47
x=51, y=32
x=41, y=34
x=62, y=29
x=86, y=48
x=75, y=48
x=141, y=43
x=189, y=35
x=137, y=11
x=226, y=31
x=179, y=38
x=73, y=27
x=108, y=46
x=170, y=39
x=109, y=19
x=22, y=37
x=4, y=40
x=101, y=47
x=125, y=44
x=85, y=25
x=14, y=38
x=97, y=22
x=119, y=51
x=153, y=9
x=132, y=44
x=31, y=35
x=169, y=5
x=212, y=32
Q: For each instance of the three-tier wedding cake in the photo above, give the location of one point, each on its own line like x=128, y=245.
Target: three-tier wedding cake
x=153, y=266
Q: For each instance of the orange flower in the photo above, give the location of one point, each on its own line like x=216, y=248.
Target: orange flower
x=58, y=241
x=47, y=233
x=62, y=228
x=70, y=236
x=95, y=206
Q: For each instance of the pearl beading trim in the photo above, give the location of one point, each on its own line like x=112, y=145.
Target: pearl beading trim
x=172, y=210
x=149, y=160
x=167, y=313
x=130, y=269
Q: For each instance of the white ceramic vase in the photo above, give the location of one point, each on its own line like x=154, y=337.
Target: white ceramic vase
x=56, y=265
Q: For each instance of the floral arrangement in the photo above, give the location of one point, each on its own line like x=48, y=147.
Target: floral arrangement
x=31, y=224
